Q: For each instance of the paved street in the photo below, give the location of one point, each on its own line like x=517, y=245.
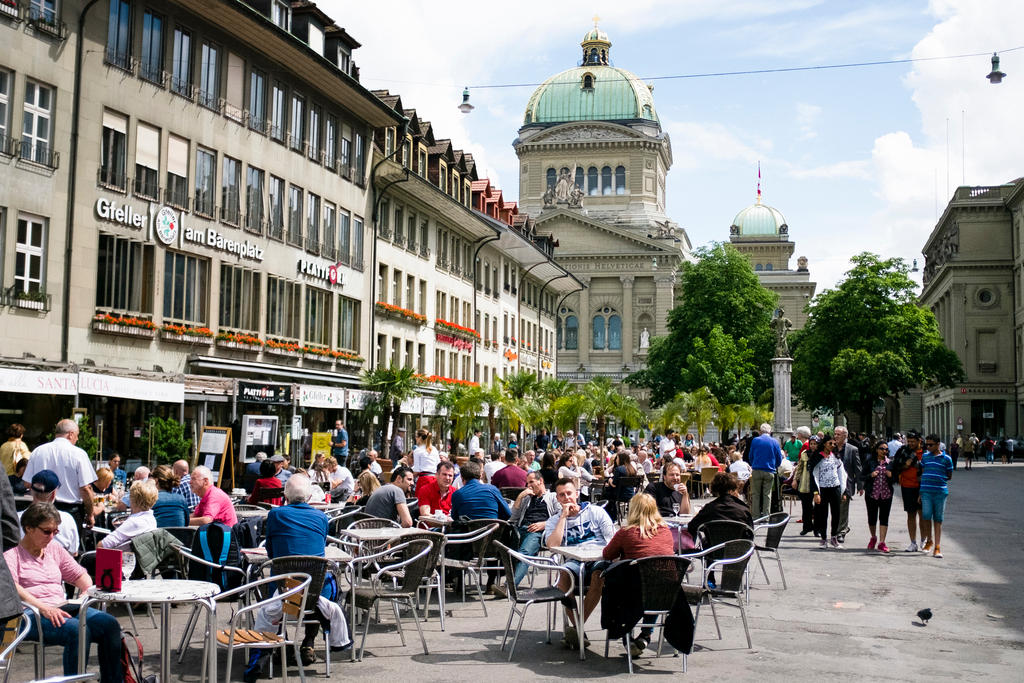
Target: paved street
x=847, y=615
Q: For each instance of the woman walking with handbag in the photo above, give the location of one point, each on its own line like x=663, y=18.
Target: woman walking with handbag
x=878, y=494
x=829, y=480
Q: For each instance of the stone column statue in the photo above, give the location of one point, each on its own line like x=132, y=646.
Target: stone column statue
x=781, y=325
x=645, y=338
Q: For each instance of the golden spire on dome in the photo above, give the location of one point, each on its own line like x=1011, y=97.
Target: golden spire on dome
x=596, y=45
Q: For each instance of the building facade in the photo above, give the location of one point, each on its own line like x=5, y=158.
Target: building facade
x=972, y=283
x=593, y=164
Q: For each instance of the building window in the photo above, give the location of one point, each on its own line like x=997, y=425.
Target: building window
x=592, y=184
x=360, y=160
x=588, y=82
x=572, y=333
x=36, y=130
x=329, y=249
x=177, y=172
x=257, y=100
x=234, y=92
x=598, y=333
x=206, y=169
x=442, y=177
x=769, y=266
x=283, y=304
x=552, y=178
x=254, y=200
x=606, y=180
x=348, y=323
x=297, y=129
x=330, y=141
x=396, y=287
x=209, y=76
x=313, y=222
x=276, y=128
x=295, y=216
x=113, y=150
x=186, y=279
x=5, y=98
x=315, y=116
x=230, y=189
x=124, y=275
x=758, y=267
x=389, y=141
x=357, y=243
x=615, y=333
x=151, y=66
x=318, y=316
x=147, y=161
x=344, y=238
x=28, y=254
x=281, y=14
x=239, y=299
x=422, y=167
x=620, y=180
x=407, y=153
x=276, y=227
x=181, y=63
x=119, y=34
x=43, y=10
x=346, y=154
x=410, y=235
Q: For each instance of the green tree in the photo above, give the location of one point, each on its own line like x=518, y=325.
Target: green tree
x=167, y=440
x=726, y=417
x=87, y=441
x=718, y=333
x=868, y=339
x=602, y=399
x=391, y=386
x=517, y=404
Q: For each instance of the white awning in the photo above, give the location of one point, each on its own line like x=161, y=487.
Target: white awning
x=21, y=381
x=129, y=387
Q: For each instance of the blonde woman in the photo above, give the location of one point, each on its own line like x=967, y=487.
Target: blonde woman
x=142, y=496
x=644, y=534
x=367, y=484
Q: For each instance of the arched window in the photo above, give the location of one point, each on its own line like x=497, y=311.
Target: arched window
x=593, y=55
x=558, y=334
x=768, y=266
x=620, y=180
x=551, y=178
x=592, y=186
x=588, y=82
x=615, y=333
x=598, y=335
x=572, y=333
x=606, y=180
x=758, y=267
x=579, y=177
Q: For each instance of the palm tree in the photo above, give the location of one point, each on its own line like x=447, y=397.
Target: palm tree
x=701, y=408
x=726, y=415
x=491, y=396
x=391, y=386
x=566, y=411
x=517, y=389
x=461, y=404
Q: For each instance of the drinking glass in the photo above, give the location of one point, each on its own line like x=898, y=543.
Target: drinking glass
x=675, y=509
x=127, y=564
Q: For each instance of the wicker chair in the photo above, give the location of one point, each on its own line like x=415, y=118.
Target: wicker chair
x=707, y=475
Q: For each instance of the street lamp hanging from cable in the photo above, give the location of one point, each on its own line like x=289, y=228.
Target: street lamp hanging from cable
x=995, y=76
x=465, y=107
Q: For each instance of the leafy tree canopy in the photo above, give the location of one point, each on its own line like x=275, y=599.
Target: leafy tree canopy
x=718, y=334
x=867, y=339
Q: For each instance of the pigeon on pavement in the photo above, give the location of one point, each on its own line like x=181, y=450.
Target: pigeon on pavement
x=924, y=615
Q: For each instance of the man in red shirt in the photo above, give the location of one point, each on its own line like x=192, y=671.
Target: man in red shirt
x=435, y=494
x=511, y=474
x=214, y=504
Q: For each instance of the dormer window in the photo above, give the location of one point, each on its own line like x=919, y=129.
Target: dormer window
x=442, y=177
x=281, y=14
x=344, y=60
x=316, y=38
x=588, y=81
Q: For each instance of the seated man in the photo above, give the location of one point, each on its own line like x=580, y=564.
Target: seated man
x=477, y=500
x=44, y=490
x=576, y=524
x=389, y=501
x=214, y=505
x=670, y=491
x=298, y=529
x=530, y=513
x=435, y=495
x=140, y=474
x=511, y=474
x=491, y=467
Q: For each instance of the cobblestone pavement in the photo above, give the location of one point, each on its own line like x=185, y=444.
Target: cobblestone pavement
x=847, y=615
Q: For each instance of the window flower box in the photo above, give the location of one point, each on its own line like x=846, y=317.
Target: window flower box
x=185, y=334
x=239, y=341
x=398, y=313
x=454, y=330
x=318, y=354
x=123, y=326
x=438, y=379
x=283, y=348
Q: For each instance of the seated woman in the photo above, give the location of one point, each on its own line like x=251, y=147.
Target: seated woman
x=367, y=484
x=268, y=480
x=643, y=534
x=614, y=490
x=726, y=505
x=143, y=497
x=170, y=508
x=18, y=478
x=39, y=569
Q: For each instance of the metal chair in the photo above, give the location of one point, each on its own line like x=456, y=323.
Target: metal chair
x=507, y=534
x=410, y=571
x=265, y=495
x=719, y=531
x=518, y=597
x=293, y=596
x=478, y=540
x=661, y=579
x=774, y=526
x=433, y=580
x=731, y=558
x=199, y=569
x=14, y=631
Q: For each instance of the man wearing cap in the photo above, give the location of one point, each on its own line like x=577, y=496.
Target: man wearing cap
x=44, y=490
x=72, y=467
x=282, y=472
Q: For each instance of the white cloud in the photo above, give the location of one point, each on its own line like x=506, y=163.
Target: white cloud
x=807, y=116
x=860, y=170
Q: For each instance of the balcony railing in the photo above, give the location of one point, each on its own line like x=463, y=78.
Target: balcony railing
x=275, y=229
x=254, y=222
x=153, y=73
x=181, y=86
x=424, y=252
x=39, y=153
x=204, y=205
x=329, y=251
x=111, y=178
x=121, y=59
x=295, y=234
x=46, y=21
x=10, y=9
x=177, y=196
x=230, y=215
x=312, y=243
x=147, y=188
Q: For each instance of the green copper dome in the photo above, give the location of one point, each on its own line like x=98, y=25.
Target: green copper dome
x=592, y=92
x=759, y=219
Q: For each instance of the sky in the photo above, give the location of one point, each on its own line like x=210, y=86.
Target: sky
x=856, y=159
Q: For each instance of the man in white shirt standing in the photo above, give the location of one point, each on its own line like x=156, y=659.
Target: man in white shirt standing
x=72, y=467
x=474, y=441
x=667, y=446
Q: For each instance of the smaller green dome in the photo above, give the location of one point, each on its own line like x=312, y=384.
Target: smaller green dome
x=596, y=35
x=759, y=219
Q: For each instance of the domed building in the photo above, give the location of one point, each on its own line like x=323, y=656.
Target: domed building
x=593, y=161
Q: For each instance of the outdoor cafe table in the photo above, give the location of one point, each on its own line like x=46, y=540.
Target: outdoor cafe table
x=331, y=552
x=584, y=552
x=251, y=513
x=163, y=592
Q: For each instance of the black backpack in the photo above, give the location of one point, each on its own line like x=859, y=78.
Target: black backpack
x=249, y=531
x=216, y=543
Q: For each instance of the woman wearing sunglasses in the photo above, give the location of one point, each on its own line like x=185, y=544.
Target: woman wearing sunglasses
x=878, y=494
x=39, y=569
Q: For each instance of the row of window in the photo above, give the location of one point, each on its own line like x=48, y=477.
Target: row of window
x=219, y=79
x=264, y=207
x=36, y=141
x=406, y=290
x=606, y=332
x=592, y=181
x=125, y=277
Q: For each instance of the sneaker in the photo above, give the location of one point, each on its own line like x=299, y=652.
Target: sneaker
x=938, y=552
x=842, y=538
x=835, y=543
x=927, y=546
x=822, y=545
x=498, y=591
x=637, y=647
x=883, y=548
x=912, y=548
x=871, y=543
x=308, y=655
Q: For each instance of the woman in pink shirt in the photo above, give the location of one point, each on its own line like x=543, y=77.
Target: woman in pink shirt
x=40, y=569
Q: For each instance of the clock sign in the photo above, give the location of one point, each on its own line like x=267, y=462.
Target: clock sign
x=166, y=225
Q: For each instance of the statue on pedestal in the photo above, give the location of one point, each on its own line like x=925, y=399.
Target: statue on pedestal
x=645, y=338
x=781, y=325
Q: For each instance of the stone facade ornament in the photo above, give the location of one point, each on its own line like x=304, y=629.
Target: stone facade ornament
x=645, y=338
x=549, y=198
x=576, y=197
x=584, y=133
x=781, y=325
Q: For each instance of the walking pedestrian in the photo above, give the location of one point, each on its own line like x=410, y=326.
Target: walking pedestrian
x=969, y=447
x=906, y=466
x=878, y=492
x=765, y=455
x=936, y=470
x=829, y=477
x=803, y=483
x=850, y=455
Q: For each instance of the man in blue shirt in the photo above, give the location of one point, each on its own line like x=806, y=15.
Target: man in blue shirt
x=477, y=500
x=765, y=456
x=299, y=529
x=339, y=443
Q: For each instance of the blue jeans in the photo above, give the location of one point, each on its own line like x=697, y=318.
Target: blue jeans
x=933, y=505
x=101, y=628
x=529, y=544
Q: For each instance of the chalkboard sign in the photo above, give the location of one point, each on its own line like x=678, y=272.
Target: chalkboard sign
x=215, y=453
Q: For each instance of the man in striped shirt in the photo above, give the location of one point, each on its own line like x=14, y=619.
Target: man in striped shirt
x=936, y=470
